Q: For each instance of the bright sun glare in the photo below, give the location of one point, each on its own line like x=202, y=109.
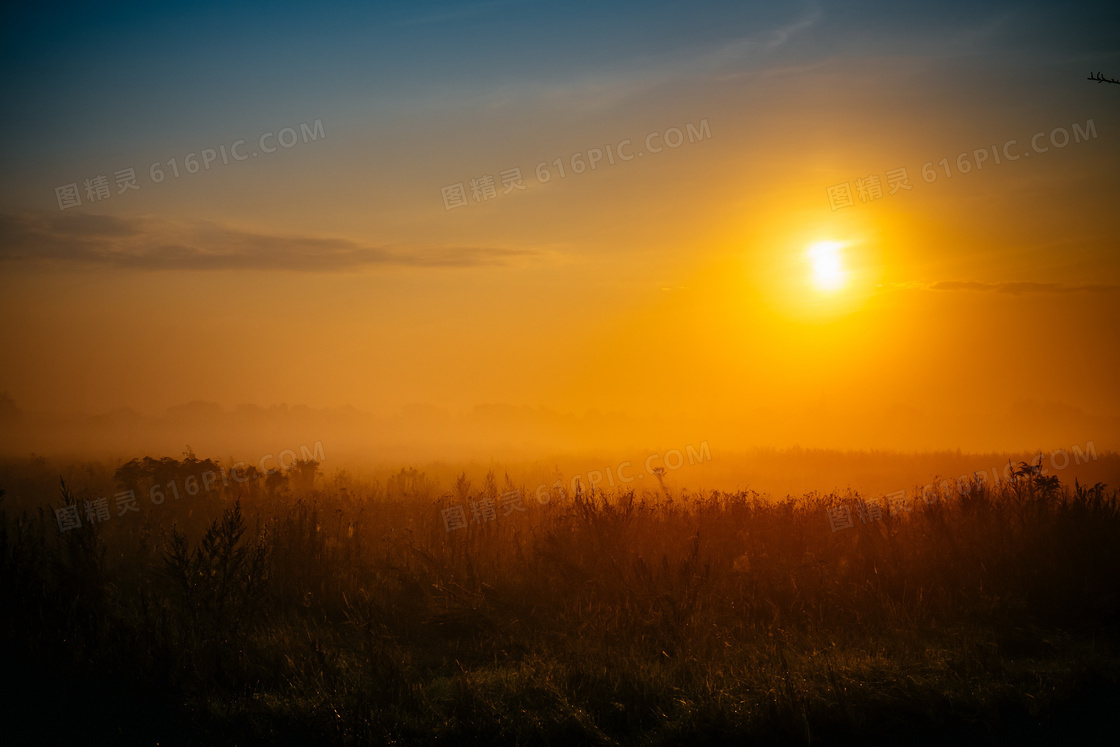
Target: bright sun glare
x=828, y=271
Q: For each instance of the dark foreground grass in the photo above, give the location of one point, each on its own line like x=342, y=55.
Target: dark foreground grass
x=283, y=614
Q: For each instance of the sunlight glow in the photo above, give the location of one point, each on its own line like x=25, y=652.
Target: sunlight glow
x=828, y=270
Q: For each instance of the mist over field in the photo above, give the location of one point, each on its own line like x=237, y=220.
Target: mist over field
x=534, y=444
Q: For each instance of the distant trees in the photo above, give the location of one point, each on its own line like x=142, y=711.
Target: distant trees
x=302, y=474
x=9, y=413
x=190, y=476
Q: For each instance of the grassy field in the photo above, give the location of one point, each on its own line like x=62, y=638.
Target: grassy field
x=292, y=609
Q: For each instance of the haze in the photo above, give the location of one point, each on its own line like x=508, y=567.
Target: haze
x=664, y=299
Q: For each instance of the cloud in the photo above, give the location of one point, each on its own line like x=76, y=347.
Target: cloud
x=619, y=84
x=154, y=244
x=1021, y=288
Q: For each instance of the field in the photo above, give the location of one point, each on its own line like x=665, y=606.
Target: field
x=298, y=609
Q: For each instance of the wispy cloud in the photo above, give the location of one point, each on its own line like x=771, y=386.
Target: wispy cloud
x=617, y=85
x=153, y=244
x=741, y=50
x=1017, y=288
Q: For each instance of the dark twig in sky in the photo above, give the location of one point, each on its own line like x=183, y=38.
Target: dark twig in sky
x=1099, y=77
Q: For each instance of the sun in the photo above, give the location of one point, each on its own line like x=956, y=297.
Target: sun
x=828, y=266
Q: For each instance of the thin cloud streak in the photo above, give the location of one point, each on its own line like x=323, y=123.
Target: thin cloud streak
x=626, y=81
x=151, y=244
x=1021, y=288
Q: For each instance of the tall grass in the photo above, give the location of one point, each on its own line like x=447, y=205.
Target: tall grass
x=277, y=611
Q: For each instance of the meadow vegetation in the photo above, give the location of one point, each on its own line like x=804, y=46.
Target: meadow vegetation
x=293, y=608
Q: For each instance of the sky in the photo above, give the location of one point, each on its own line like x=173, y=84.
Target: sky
x=822, y=223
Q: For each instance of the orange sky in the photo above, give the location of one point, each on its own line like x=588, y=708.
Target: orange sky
x=979, y=310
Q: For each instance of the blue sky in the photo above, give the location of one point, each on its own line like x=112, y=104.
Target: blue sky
x=112, y=76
